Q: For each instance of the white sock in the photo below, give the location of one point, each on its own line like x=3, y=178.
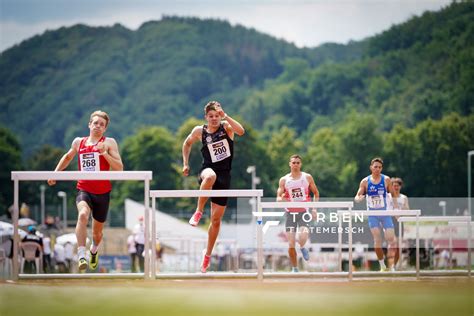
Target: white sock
x=81, y=252
x=94, y=248
x=382, y=264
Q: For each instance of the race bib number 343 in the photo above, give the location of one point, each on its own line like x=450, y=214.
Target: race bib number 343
x=90, y=162
x=219, y=150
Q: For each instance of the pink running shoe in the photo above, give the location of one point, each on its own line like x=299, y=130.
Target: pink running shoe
x=206, y=261
x=195, y=218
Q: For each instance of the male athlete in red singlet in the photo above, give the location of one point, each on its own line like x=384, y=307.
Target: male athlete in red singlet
x=296, y=187
x=95, y=153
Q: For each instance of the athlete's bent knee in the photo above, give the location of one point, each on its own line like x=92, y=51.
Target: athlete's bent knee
x=216, y=222
x=83, y=216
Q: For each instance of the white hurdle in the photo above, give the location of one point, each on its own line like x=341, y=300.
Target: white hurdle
x=18, y=176
x=150, y=257
x=264, y=205
x=450, y=220
x=351, y=214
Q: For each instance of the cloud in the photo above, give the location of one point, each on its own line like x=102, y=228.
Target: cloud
x=305, y=23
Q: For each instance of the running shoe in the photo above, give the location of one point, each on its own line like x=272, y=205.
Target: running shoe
x=294, y=270
x=305, y=253
x=384, y=269
x=206, y=261
x=94, y=260
x=82, y=264
x=194, y=221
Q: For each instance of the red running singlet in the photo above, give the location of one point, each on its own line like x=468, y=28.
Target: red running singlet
x=90, y=160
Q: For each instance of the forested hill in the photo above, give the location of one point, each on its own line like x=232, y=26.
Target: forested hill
x=418, y=70
x=160, y=74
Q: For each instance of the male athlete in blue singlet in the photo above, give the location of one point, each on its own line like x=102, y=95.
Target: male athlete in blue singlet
x=375, y=187
x=217, y=138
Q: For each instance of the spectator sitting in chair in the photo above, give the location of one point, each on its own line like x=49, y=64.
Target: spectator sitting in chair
x=31, y=236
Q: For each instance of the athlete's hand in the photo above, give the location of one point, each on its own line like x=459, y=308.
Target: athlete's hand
x=359, y=198
x=51, y=182
x=314, y=214
x=101, y=147
x=219, y=110
x=185, y=170
x=281, y=198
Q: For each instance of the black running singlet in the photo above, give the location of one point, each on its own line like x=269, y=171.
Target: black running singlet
x=217, y=149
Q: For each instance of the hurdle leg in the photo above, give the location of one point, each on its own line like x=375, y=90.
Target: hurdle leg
x=147, y=274
x=350, y=244
x=400, y=259
x=469, y=236
x=16, y=236
x=259, y=243
x=417, y=246
x=339, y=241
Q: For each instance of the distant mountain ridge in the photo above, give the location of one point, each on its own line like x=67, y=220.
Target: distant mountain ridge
x=160, y=74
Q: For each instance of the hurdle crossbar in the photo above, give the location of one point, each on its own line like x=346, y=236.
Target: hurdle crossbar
x=436, y=219
x=307, y=204
x=381, y=213
x=79, y=175
x=205, y=193
x=154, y=194
x=17, y=176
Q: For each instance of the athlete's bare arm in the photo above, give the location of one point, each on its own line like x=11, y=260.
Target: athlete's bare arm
x=388, y=185
x=109, y=150
x=360, y=195
x=193, y=137
x=67, y=158
x=231, y=126
x=313, y=187
x=406, y=206
x=281, y=190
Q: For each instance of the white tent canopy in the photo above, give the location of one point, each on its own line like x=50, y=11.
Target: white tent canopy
x=167, y=226
x=6, y=229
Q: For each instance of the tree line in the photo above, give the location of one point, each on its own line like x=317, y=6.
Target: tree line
x=430, y=157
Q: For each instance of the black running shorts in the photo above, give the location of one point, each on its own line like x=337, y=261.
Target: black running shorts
x=296, y=220
x=99, y=204
x=222, y=183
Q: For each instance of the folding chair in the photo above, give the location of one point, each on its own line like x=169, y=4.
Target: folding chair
x=31, y=251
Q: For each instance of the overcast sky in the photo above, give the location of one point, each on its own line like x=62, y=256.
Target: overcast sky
x=303, y=22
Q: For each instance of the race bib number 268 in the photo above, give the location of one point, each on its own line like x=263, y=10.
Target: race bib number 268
x=90, y=162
